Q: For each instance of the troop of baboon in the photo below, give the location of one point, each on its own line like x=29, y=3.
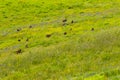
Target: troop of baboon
x=64, y=22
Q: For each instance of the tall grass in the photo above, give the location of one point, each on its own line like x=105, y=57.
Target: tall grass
x=91, y=53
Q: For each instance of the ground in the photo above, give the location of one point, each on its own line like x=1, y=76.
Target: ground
x=59, y=40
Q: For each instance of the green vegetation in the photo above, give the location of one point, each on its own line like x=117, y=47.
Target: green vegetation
x=59, y=40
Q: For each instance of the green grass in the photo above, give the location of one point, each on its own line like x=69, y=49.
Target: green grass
x=81, y=54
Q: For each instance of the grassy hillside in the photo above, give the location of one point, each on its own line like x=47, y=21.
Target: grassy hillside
x=59, y=40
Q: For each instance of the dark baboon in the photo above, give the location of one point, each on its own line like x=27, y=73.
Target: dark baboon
x=19, y=40
x=65, y=33
x=18, y=51
x=18, y=29
x=70, y=7
x=65, y=20
x=27, y=39
x=92, y=29
x=70, y=29
x=48, y=35
x=30, y=26
x=72, y=21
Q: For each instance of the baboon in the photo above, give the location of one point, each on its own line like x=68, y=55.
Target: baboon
x=18, y=29
x=19, y=40
x=70, y=29
x=81, y=12
x=65, y=33
x=18, y=51
x=48, y=35
x=65, y=20
x=72, y=21
x=27, y=39
x=92, y=29
x=69, y=7
x=26, y=46
x=30, y=26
